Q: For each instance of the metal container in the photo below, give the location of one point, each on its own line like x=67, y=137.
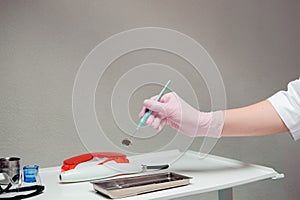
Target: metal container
x=124, y=187
x=9, y=170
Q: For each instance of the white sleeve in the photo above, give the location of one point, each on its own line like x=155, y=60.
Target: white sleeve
x=287, y=105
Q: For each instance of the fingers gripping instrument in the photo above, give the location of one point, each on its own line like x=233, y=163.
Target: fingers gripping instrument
x=147, y=114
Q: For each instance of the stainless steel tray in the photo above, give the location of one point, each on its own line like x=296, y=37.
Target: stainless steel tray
x=124, y=187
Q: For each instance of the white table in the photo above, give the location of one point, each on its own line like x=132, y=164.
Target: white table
x=210, y=174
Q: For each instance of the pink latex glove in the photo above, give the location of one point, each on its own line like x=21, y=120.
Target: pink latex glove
x=181, y=116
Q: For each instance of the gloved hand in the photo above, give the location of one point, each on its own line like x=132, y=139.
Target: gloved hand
x=181, y=116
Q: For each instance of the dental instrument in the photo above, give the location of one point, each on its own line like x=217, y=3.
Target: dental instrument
x=143, y=120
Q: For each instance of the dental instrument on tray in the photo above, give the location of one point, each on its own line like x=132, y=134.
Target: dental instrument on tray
x=78, y=169
x=143, y=120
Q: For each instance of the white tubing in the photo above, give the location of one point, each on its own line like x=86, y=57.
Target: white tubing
x=98, y=172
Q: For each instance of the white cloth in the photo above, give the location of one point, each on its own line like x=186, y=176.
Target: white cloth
x=287, y=105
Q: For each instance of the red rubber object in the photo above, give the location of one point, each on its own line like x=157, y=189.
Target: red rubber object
x=71, y=163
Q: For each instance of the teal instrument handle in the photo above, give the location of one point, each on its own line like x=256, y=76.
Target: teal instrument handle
x=148, y=113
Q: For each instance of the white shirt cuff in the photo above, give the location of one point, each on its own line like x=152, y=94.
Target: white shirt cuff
x=287, y=105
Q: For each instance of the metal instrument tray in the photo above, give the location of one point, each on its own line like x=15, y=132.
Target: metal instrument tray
x=124, y=187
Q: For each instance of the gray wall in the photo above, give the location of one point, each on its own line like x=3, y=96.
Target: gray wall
x=255, y=44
